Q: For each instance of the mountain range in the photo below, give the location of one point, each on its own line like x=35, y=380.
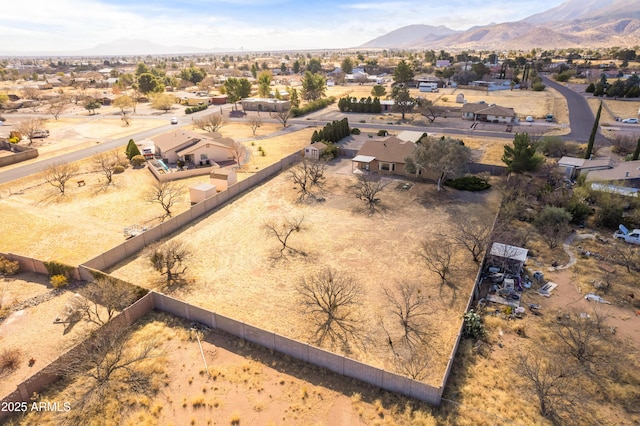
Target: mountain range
x=575, y=23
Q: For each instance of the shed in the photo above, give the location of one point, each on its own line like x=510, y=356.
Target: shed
x=460, y=98
x=201, y=191
x=508, y=258
x=223, y=178
x=315, y=150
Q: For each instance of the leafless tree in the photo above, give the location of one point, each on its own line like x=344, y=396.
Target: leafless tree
x=126, y=118
x=551, y=381
x=626, y=255
x=307, y=174
x=438, y=257
x=585, y=338
x=283, y=230
x=166, y=194
x=57, y=175
x=331, y=299
x=282, y=116
x=56, y=106
x=210, y=123
x=30, y=127
x=410, y=305
x=106, y=163
x=473, y=233
x=107, y=292
x=34, y=95
x=431, y=111
x=240, y=152
x=367, y=189
x=254, y=122
x=412, y=361
x=169, y=259
x=107, y=366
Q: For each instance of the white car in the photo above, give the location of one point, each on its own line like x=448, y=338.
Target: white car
x=529, y=119
x=174, y=120
x=630, y=120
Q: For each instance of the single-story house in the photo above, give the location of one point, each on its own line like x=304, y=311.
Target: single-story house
x=384, y=157
x=572, y=167
x=490, y=113
x=508, y=258
x=624, y=174
x=443, y=63
x=265, y=104
x=315, y=150
x=193, y=148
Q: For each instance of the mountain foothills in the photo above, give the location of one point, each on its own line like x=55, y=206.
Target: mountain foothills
x=575, y=23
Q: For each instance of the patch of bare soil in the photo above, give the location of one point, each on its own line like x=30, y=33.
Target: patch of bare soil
x=235, y=269
x=242, y=384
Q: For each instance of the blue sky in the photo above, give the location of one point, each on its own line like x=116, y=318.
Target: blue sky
x=65, y=25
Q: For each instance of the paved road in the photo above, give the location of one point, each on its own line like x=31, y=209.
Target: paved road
x=580, y=116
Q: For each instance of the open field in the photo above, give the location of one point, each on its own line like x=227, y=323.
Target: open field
x=244, y=383
x=233, y=270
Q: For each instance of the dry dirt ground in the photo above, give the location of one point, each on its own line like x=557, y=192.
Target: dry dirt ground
x=233, y=270
x=243, y=384
x=31, y=330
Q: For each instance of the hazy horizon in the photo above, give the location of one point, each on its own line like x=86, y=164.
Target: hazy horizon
x=234, y=25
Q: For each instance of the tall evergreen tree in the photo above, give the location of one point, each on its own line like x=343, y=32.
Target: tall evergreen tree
x=594, y=132
x=132, y=149
x=636, y=153
x=521, y=157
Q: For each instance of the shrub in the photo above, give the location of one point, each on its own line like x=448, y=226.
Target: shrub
x=355, y=131
x=468, y=183
x=59, y=281
x=57, y=268
x=196, y=108
x=138, y=160
x=473, y=326
x=14, y=139
x=8, y=267
x=331, y=151
x=383, y=133
x=538, y=87
x=9, y=360
x=313, y=106
x=118, y=169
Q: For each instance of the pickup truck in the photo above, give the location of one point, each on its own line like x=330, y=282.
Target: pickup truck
x=623, y=233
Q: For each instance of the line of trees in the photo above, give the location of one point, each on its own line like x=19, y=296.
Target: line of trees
x=332, y=132
x=366, y=105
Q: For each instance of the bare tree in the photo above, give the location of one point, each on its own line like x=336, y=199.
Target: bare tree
x=331, y=299
x=210, y=123
x=367, y=189
x=307, y=174
x=254, y=122
x=410, y=305
x=56, y=106
x=438, y=257
x=30, y=128
x=550, y=380
x=431, y=111
x=283, y=230
x=473, y=233
x=107, y=292
x=626, y=255
x=282, y=116
x=166, y=194
x=34, y=95
x=240, y=152
x=106, y=366
x=107, y=164
x=169, y=259
x=412, y=361
x=59, y=174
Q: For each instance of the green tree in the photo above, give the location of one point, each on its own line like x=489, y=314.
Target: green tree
x=443, y=157
x=594, y=132
x=149, y=83
x=294, y=98
x=163, y=101
x=522, y=156
x=123, y=102
x=553, y=225
x=314, y=66
x=403, y=73
x=378, y=91
x=313, y=86
x=141, y=68
x=347, y=65
x=3, y=99
x=296, y=67
x=264, y=84
x=132, y=149
x=92, y=105
x=403, y=102
x=236, y=89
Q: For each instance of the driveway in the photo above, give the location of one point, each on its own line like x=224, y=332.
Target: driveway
x=580, y=116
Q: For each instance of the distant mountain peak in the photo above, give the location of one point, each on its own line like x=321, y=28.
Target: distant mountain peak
x=395, y=38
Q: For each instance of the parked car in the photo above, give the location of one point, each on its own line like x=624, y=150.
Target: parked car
x=623, y=233
x=174, y=120
x=529, y=119
x=630, y=120
x=40, y=134
x=590, y=297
